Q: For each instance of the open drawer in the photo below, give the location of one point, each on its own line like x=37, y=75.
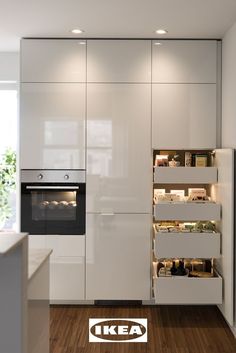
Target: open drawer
x=187, y=245
x=187, y=211
x=185, y=175
x=188, y=290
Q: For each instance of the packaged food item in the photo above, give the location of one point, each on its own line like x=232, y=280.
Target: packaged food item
x=201, y=160
x=161, y=160
x=188, y=159
x=157, y=193
x=197, y=192
x=174, y=161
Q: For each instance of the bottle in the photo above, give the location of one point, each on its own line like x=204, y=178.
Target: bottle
x=173, y=269
x=181, y=270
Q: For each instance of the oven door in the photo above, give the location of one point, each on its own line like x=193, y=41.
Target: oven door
x=48, y=208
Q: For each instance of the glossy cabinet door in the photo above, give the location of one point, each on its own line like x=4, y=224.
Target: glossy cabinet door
x=118, y=257
x=53, y=60
x=67, y=277
x=119, y=167
x=67, y=268
x=119, y=61
x=52, y=126
x=184, y=61
x=183, y=116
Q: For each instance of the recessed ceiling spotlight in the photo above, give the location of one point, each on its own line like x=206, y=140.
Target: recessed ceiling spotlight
x=77, y=31
x=157, y=43
x=82, y=43
x=161, y=31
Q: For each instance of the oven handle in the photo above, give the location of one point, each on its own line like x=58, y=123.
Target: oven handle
x=52, y=187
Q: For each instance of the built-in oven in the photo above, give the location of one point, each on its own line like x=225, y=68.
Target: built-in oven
x=53, y=201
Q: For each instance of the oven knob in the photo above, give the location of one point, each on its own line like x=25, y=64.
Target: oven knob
x=40, y=176
x=66, y=177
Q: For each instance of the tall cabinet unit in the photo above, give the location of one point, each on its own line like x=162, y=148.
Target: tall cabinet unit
x=118, y=169
x=52, y=136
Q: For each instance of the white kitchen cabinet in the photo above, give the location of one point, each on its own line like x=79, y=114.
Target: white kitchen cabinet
x=53, y=60
x=183, y=116
x=119, y=166
x=67, y=279
x=119, y=61
x=66, y=245
x=52, y=126
x=118, y=257
x=67, y=268
x=67, y=265
x=184, y=61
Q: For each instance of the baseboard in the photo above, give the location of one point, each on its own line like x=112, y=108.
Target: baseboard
x=148, y=302
x=71, y=302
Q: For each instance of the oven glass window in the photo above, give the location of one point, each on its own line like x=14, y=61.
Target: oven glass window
x=53, y=205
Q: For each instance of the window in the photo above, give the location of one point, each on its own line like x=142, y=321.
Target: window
x=8, y=142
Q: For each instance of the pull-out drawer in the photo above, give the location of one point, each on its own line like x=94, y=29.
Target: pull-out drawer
x=188, y=290
x=187, y=211
x=183, y=175
x=188, y=245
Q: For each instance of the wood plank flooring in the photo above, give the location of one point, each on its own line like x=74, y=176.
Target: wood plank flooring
x=171, y=329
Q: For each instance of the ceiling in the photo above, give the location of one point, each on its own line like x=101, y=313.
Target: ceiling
x=113, y=18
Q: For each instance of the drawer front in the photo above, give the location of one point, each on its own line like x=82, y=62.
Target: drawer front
x=185, y=290
x=188, y=245
x=185, y=175
x=187, y=211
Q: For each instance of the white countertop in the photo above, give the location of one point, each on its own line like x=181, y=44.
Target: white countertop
x=37, y=257
x=8, y=241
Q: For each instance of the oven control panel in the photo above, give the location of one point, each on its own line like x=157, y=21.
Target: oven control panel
x=53, y=176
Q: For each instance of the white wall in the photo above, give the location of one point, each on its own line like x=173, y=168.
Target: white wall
x=229, y=88
x=9, y=66
x=229, y=94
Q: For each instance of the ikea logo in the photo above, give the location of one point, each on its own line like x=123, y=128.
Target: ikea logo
x=117, y=330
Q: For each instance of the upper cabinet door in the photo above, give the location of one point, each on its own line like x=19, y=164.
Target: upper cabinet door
x=184, y=61
x=119, y=61
x=52, y=126
x=53, y=60
x=183, y=116
x=119, y=167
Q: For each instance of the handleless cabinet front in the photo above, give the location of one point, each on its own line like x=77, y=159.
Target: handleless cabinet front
x=53, y=60
x=119, y=170
x=184, y=61
x=119, y=61
x=184, y=116
x=118, y=257
x=52, y=126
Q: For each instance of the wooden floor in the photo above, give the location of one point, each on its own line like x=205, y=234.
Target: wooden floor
x=171, y=329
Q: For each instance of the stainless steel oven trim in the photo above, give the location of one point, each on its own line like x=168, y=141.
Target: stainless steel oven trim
x=52, y=187
x=53, y=176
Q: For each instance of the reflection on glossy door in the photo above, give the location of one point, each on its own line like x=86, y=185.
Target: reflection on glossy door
x=52, y=126
x=119, y=165
x=118, y=257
